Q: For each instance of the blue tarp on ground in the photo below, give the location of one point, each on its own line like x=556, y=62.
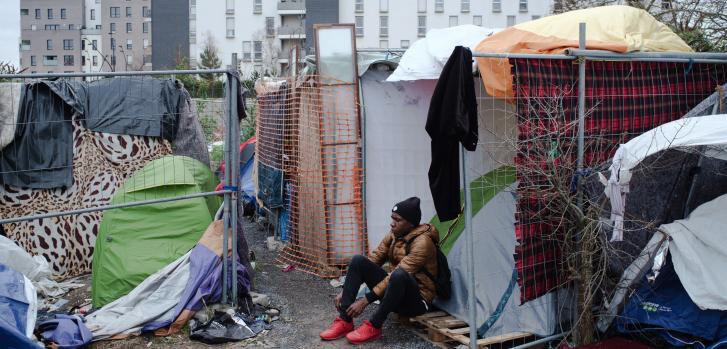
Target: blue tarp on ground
x=665, y=308
x=14, y=305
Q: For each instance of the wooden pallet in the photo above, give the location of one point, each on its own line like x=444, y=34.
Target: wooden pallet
x=442, y=327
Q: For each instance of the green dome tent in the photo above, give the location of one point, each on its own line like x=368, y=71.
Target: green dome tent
x=135, y=242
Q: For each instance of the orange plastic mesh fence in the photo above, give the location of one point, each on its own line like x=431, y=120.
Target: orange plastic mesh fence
x=312, y=133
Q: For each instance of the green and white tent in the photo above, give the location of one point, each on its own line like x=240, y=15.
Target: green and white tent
x=135, y=242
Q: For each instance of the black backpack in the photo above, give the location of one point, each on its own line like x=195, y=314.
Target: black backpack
x=443, y=281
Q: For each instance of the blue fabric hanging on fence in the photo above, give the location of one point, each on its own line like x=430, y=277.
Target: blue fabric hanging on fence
x=284, y=216
x=270, y=183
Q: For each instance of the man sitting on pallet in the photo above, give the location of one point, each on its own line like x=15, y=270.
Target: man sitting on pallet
x=410, y=248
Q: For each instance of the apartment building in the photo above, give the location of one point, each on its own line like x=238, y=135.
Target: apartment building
x=50, y=35
x=126, y=29
x=261, y=32
x=398, y=23
x=92, y=45
x=264, y=32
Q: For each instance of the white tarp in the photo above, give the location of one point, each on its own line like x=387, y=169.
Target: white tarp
x=699, y=253
x=426, y=57
x=35, y=268
x=709, y=131
x=398, y=155
x=153, y=300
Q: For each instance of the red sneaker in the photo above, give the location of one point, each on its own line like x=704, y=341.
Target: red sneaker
x=364, y=334
x=338, y=329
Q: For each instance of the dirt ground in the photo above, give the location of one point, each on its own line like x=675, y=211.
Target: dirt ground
x=305, y=301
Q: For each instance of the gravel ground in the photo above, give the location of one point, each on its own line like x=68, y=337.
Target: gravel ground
x=305, y=301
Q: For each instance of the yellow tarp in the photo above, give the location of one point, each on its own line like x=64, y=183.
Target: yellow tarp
x=613, y=28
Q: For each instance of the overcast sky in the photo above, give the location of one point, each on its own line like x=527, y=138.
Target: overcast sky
x=9, y=31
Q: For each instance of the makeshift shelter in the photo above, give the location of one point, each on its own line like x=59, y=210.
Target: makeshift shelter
x=612, y=28
x=91, y=136
x=135, y=242
x=397, y=158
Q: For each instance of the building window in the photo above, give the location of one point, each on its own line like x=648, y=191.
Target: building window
x=68, y=44
x=115, y=12
x=94, y=44
x=113, y=43
x=535, y=17
x=666, y=4
x=50, y=60
x=93, y=14
x=510, y=21
x=49, y=44
x=230, y=9
x=129, y=44
x=112, y=27
x=145, y=12
x=63, y=13
x=453, y=21
x=128, y=27
x=83, y=45
x=523, y=5
x=128, y=11
x=383, y=43
x=33, y=61
x=270, y=26
x=146, y=43
x=230, y=27
x=37, y=13
x=24, y=12
x=258, y=50
x=359, y=6
x=25, y=45
x=404, y=43
x=383, y=5
x=83, y=61
x=497, y=6
x=33, y=27
x=95, y=61
x=422, y=6
x=145, y=27
x=147, y=60
x=359, y=25
x=258, y=7
x=383, y=26
x=68, y=60
x=247, y=51
x=50, y=13
x=438, y=5
x=52, y=26
x=421, y=26
x=465, y=5
x=98, y=26
x=477, y=20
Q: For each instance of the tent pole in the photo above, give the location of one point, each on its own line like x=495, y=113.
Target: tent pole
x=470, y=251
x=234, y=172
x=581, y=104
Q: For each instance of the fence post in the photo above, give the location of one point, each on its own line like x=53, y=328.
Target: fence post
x=581, y=103
x=227, y=183
x=470, y=249
x=234, y=123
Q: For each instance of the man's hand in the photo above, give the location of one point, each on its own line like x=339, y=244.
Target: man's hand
x=357, y=307
x=337, y=301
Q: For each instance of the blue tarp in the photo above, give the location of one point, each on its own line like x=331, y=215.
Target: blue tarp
x=665, y=308
x=14, y=304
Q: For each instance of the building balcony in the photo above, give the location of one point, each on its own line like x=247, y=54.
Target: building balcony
x=91, y=31
x=291, y=33
x=291, y=7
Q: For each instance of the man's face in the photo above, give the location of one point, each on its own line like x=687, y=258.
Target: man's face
x=399, y=225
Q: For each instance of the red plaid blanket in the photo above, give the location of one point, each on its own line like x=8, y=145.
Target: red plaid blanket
x=623, y=100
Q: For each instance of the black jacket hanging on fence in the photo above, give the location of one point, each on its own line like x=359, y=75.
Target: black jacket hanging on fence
x=452, y=119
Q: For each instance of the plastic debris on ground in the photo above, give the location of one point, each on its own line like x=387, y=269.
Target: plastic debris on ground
x=336, y=283
x=288, y=268
x=65, y=331
x=226, y=327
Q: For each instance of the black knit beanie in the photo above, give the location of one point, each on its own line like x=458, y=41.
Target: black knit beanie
x=409, y=210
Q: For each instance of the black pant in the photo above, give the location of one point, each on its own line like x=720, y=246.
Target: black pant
x=401, y=296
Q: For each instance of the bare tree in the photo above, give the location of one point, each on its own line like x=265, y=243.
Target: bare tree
x=270, y=52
